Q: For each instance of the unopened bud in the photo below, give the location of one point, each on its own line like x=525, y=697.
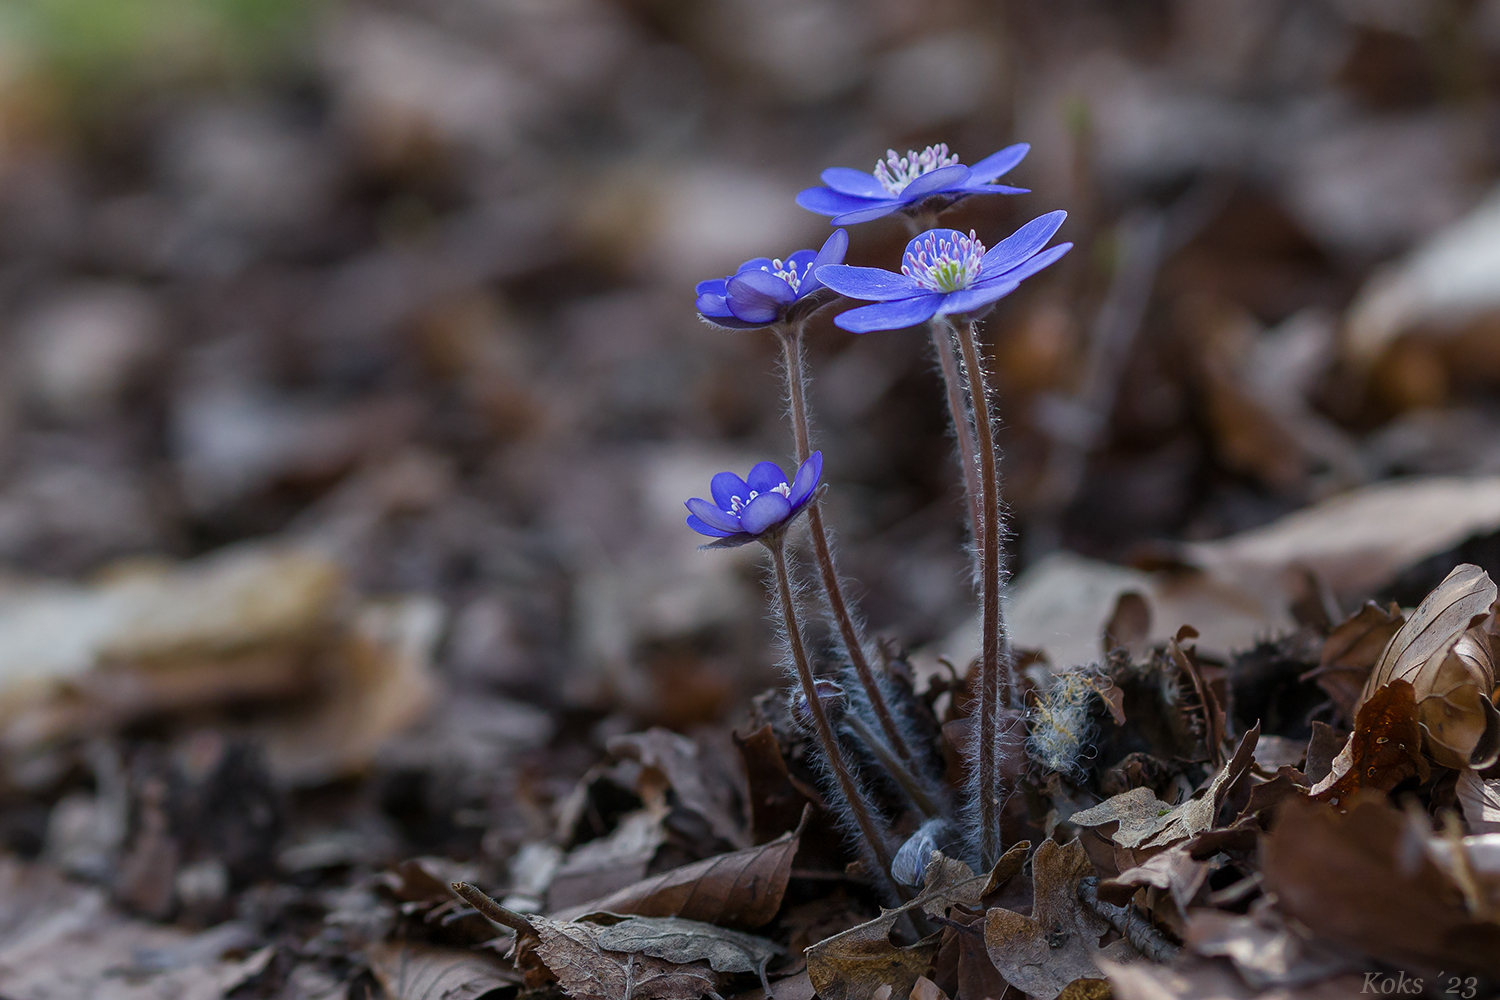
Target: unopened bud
x=830, y=695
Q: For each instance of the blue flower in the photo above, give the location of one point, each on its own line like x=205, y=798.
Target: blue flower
x=764, y=291
x=943, y=273
x=901, y=182
x=761, y=505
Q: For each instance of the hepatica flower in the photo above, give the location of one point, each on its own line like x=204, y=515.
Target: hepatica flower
x=764, y=291
x=944, y=273
x=758, y=506
x=902, y=182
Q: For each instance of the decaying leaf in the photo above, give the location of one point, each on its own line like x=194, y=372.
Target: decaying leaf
x=1361, y=882
x=410, y=971
x=1043, y=953
x=1203, y=979
x=1383, y=750
x=860, y=960
x=602, y=867
x=1444, y=652
x=776, y=799
x=588, y=971
x=1264, y=948
x=680, y=760
x=1147, y=822
x=1481, y=802
x=1351, y=651
x=739, y=889
x=686, y=941
x=1174, y=870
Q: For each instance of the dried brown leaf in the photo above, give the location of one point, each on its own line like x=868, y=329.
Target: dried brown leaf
x=777, y=800
x=1174, y=870
x=1043, y=953
x=1362, y=883
x=685, y=941
x=587, y=971
x=1481, y=802
x=679, y=759
x=1450, y=666
x=1265, y=950
x=1351, y=651
x=1383, y=750
x=411, y=971
x=602, y=867
x=739, y=889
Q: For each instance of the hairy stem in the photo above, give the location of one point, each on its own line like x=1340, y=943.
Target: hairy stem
x=864, y=817
x=796, y=380
x=992, y=659
x=897, y=769
x=963, y=430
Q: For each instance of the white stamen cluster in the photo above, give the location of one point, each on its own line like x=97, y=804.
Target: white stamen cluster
x=944, y=263
x=895, y=172
x=787, y=271
x=737, y=504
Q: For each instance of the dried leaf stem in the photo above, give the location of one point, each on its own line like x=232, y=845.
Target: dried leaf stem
x=993, y=657
x=864, y=817
x=796, y=380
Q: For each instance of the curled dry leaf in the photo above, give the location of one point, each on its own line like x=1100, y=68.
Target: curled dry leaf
x=738, y=889
x=1266, y=951
x=1351, y=651
x=410, y=971
x=588, y=971
x=1362, y=883
x=1383, y=751
x=1043, y=953
x=686, y=941
x=1444, y=652
x=1481, y=802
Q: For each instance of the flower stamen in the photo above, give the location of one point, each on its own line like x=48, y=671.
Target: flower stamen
x=787, y=271
x=895, y=172
x=944, y=263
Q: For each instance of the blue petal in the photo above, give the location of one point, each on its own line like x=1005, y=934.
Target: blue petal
x=876, y=210
x=845, y=180
x=896, y=315
x=967, y=300
x=713, y=286
x=991, y=189
x=705, y=529
x=1025, y=269
x=713, y=306
x=759, y=296
x=997, y=164
x=1021, y=244
x=713, y=516
x=873, y=284
x=831, y=254
x=725, y=487
x=941, y=179
x=765, y=511
x=808, y=474
x=753, y=264
x=801, y=258
x=766, y=476
x=827, y=201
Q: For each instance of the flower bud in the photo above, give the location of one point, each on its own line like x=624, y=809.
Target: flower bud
x=830, y=695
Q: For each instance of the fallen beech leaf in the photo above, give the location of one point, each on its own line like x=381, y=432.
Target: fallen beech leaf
x=777, y=800
x=600, y=868
x=679, y=759
x=854, y=964
x=1265, y=950
x=1174, y=870
x=686, y=941
x=1147, y=822
x=1045, y=952
x=1383, y=750
x=1357, y=881
x=587, y=971
x=1451, y=669
x=926, y=989
x=1351, y=651
x=410, y=971
x=740, y=889
x=1481, y=802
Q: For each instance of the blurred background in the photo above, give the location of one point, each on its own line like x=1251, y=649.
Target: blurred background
x=352, y=385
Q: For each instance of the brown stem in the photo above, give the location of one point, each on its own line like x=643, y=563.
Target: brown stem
x=963, y=430
x=993, y=627
x=863, y=817
x=791, y=343
x=897, y=769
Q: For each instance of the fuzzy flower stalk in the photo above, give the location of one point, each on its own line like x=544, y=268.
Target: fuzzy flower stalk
x=945, y=273
x=760, y=508
x=780, y=296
